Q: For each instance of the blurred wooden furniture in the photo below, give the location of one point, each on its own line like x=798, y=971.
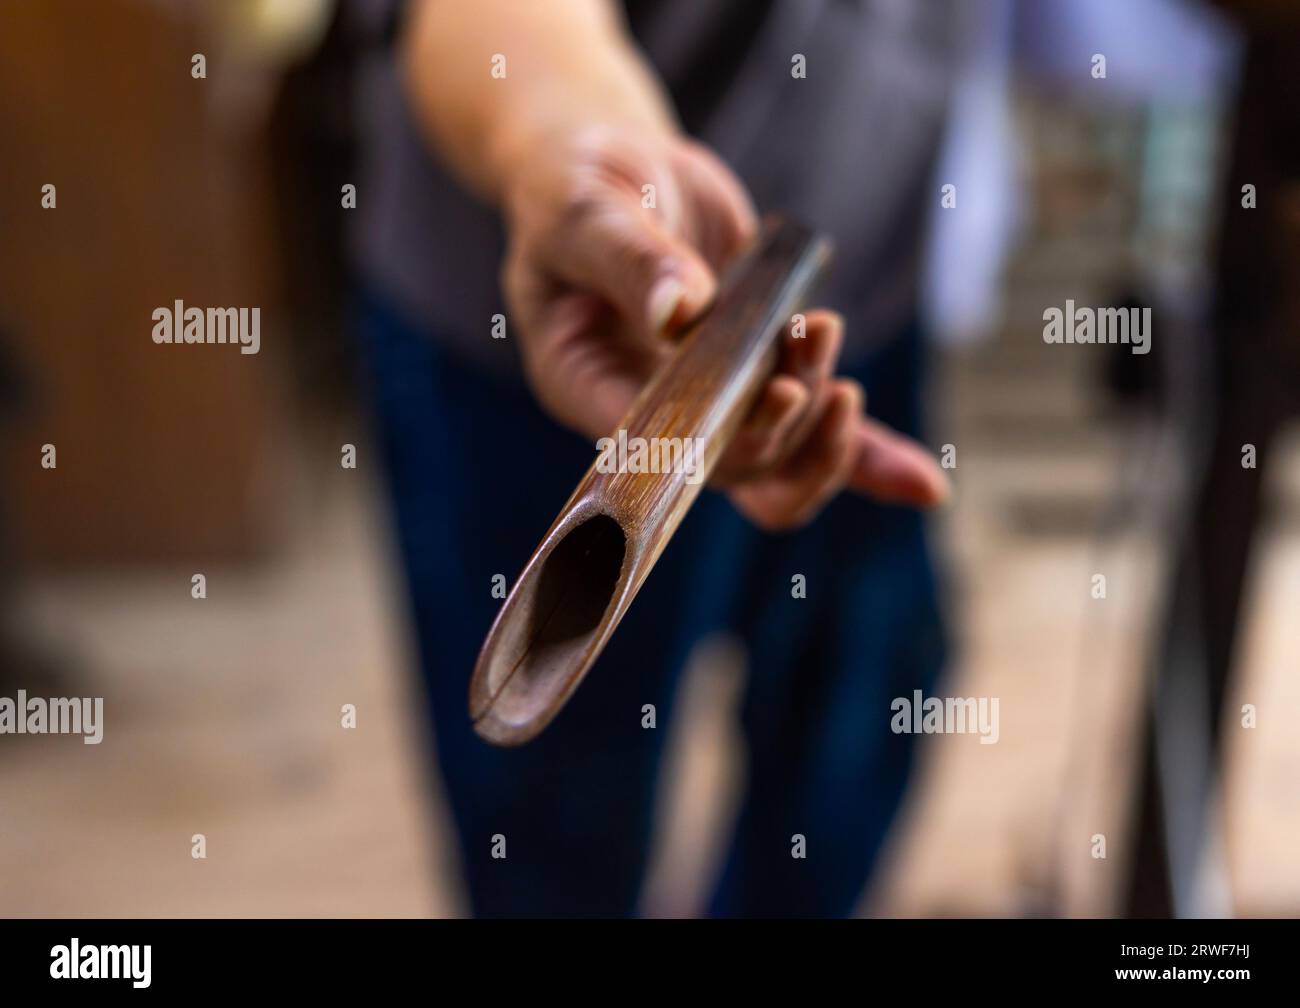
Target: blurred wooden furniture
x=1252, y=390
x=164, y=453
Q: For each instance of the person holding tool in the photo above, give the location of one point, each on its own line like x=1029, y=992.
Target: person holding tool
x=582, y=173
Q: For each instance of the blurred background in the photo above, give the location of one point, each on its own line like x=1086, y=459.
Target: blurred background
x=1120, y=717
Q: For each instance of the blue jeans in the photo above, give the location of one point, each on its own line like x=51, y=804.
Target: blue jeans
x=477, y=473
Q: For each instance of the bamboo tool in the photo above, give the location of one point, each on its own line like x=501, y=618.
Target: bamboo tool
x=582, y=578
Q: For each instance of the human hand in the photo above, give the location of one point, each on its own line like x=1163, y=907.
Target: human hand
x=599, y=282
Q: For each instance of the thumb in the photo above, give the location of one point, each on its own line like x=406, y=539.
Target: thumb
x=655, y=281
x=896, y=469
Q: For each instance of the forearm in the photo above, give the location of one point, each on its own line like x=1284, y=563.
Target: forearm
x=568, y=65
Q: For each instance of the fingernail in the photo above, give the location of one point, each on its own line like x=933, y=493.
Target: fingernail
x=664, y=297
x=778, y=410
x=942, y=489
x=929, y=487
x=851, y=400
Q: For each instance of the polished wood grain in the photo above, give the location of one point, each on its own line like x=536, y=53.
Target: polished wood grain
x=583, y=577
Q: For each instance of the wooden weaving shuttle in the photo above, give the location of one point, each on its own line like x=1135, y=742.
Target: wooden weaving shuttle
x=578, y=584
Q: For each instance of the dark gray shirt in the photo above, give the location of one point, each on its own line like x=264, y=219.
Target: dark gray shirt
x=849, y=148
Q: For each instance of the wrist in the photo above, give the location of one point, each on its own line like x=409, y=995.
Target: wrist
x=549, y=149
